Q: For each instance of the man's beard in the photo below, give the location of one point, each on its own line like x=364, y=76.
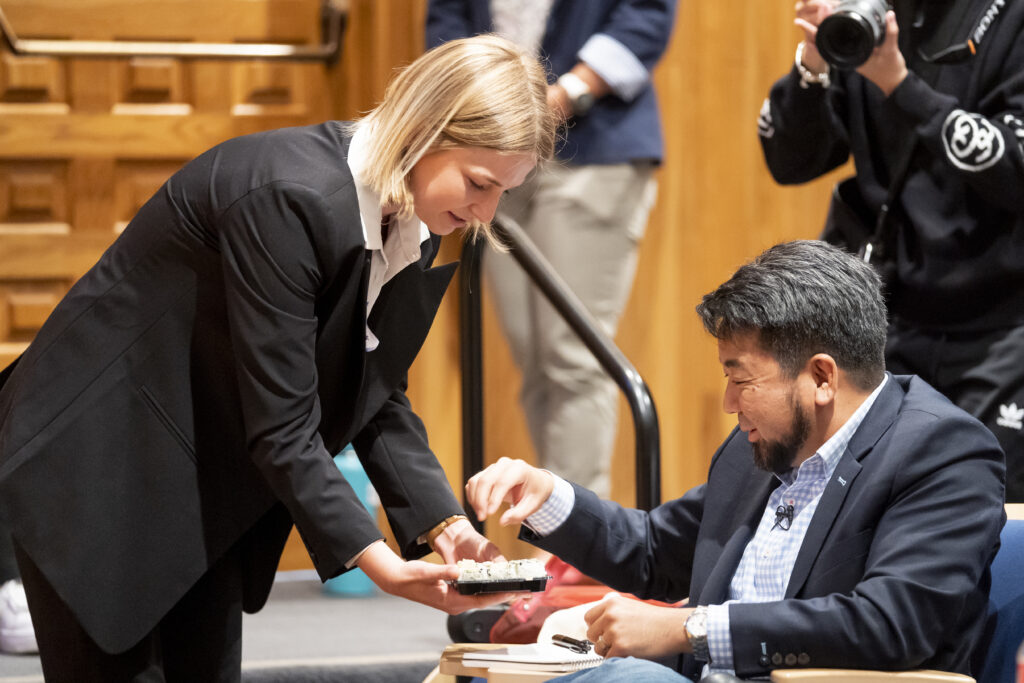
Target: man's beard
x=778, y=456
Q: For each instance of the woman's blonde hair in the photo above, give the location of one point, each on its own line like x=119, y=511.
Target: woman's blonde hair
x=474, y=92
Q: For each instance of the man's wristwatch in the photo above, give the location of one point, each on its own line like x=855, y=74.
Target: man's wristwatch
x=579, y=93
x=697, y=633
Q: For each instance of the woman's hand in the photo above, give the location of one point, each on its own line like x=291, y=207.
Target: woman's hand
x=524, y=487
x=421, y=582
x=460, y=541
x=623, y=627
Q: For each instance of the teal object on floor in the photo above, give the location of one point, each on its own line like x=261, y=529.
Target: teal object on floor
x=355, y=582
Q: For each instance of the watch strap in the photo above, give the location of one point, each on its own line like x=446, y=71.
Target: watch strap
x=578, y=92
x=697, y=633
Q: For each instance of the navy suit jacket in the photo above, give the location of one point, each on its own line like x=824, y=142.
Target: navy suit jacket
x=613, y=131
x=191, y=389
x=893, y=572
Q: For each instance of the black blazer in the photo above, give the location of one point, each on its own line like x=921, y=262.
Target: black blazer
x=190, y=390
x=893, y=572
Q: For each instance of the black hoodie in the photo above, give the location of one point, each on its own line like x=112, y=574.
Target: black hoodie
x=959, y=221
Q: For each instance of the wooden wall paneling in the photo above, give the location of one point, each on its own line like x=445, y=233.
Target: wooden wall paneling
x=381, y=35
x=295, y=21
x=86, y=141
x=32, y=80
x=33, y=194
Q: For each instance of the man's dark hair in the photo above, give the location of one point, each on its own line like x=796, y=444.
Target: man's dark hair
x=801, y=298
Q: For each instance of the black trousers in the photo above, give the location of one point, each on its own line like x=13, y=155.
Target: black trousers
x=982, y=372
x=199, y=640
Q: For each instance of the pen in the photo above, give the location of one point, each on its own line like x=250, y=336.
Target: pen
x=580, y=646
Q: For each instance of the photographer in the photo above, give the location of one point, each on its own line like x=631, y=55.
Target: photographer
x=934, y=120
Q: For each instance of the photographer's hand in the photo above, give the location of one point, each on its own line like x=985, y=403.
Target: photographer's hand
x=886, y=66
x=809, y=14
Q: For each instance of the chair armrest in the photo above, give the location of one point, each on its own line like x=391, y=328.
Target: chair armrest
x=865, y=676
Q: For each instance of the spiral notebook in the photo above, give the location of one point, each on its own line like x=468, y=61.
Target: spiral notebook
x=532, y=657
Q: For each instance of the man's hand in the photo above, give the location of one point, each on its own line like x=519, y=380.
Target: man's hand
x=460, y=541
x=623, y=627
x=422, y=582
x=558, y=99
x=809, y=15
x=524, y=487
x=886, y=66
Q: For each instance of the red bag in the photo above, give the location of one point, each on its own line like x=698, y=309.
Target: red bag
x=567, y=587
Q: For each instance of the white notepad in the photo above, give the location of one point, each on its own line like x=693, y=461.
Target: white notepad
x=532, y=657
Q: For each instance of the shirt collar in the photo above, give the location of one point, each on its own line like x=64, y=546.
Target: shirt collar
x=827, y=456
x=413, y=232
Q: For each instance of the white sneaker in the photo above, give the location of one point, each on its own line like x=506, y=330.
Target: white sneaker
x=16, y=633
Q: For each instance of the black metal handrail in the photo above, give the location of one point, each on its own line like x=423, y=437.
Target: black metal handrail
x=334, y=15
x=568, y=305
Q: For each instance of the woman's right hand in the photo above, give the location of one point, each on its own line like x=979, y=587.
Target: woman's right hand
x=420, y=581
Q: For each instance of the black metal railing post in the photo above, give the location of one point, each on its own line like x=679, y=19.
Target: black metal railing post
x=471, y=362
x=568, y=305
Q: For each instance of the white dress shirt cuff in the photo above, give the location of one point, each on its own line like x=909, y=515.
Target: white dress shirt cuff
x=355, y=558
x=719, y=637
x=616, y=65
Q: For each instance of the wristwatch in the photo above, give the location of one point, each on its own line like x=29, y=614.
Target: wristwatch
x=697, y=633
x=579, y=93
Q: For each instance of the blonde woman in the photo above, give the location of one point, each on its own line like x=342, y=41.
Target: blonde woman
x=180, y=409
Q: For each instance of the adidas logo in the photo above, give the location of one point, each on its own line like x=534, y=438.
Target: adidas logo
x=1011, y=416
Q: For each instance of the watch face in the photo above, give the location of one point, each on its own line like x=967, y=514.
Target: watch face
x=583, y=103
x=696, y=626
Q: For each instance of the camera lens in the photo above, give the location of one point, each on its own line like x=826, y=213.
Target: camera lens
x=847, y=37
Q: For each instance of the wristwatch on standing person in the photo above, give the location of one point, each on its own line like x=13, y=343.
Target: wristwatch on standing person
x=580, y=97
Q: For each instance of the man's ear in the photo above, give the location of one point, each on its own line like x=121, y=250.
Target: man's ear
x=825, y=373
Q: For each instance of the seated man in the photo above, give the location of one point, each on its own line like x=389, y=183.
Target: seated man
x=848, y=521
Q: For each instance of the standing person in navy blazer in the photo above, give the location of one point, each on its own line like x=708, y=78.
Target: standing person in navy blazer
x=179, y=410
x=586, y=214
x=849, y=521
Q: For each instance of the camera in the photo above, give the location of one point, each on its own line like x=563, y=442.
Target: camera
x=847, y=37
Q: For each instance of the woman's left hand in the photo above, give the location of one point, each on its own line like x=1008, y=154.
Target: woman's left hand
x=423, y=582
x=460, y=541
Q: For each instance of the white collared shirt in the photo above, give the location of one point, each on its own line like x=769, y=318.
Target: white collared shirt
x=404, y=238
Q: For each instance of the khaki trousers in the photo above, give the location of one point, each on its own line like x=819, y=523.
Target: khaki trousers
x=588, y=222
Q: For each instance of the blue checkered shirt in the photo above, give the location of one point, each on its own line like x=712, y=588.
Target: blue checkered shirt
x=767, y=562
x=555, y=510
